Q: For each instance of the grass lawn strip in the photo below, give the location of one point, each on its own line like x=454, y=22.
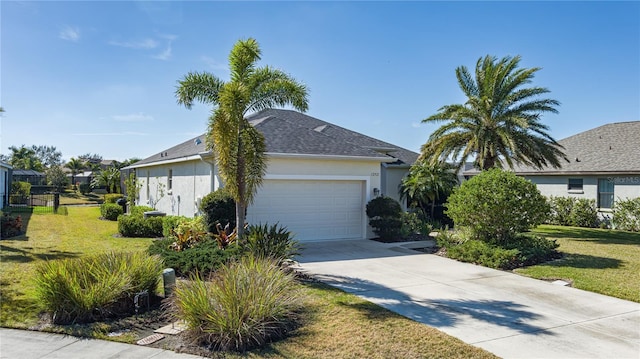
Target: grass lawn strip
x=597, y=260
x=336, y=325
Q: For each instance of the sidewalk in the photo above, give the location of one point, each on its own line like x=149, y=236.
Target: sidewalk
x=25, y=344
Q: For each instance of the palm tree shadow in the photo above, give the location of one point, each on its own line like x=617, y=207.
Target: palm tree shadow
x=25, y=256
x=439, y=313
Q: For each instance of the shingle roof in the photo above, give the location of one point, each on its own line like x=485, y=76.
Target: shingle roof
x=611, y=148
x=291, y=132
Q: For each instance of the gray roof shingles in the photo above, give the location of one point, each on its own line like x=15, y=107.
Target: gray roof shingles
x=610, y=148
x=291, y=132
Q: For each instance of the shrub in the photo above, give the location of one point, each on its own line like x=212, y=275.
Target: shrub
x=274, y=242
x=480, y=252
x=95, y=287
x=112, y=197
x=496, y=205
x=110, y=211
x=218, y=207
x=560, y=210
x=10, y=226
x=416, y=223
x=204, y=257
x=84, y=188
x=570, y=211
x=626, y=214
x=584, y=213
x=169, y=224
x=137, y=226
x=385, y=217
x=138, y=211
x=188, y=233
x=21, y=188
x=533, y=249
x=248, y=304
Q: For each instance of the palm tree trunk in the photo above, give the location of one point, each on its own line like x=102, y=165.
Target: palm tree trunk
x=240, y=180
x=433, y=208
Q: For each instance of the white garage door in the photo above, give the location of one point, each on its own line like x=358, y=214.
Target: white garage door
x=311, y=209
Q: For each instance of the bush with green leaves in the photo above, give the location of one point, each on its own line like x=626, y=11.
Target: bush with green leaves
x=95, y=287
x=218, y=207
x=138, y=226
x=84, y=188
x=21, y=188
x=584, y=213
x=169, y=224
x=496, y=205
x=273, y=241
x=571, y=211
x=385, y=217
x=246, y=305
x=112, y=197
x=10, y=226
x=138, y=211
x=534, y=249
x=626, y=214
x=111, y=211
x=483, y=253
x=203, y=257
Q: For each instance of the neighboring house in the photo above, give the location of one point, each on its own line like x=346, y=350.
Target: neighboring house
x=34, y=177
x=5, y=183
x=319, y=176
x=604, y=165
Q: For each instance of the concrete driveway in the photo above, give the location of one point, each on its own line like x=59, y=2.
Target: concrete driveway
x=507, y=314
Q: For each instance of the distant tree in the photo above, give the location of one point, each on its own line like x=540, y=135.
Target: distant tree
x=126, y=163
x=57, y=178
x=500, y=121
x=25, y=158
x=49, y=156
x=93, y=161
x=76, y=166
x=426, y=183
x=110, y=178
x=238, y=147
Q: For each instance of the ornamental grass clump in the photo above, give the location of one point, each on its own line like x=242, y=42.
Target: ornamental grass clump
x=95, y=287
x=247, y=304
x=271, y=241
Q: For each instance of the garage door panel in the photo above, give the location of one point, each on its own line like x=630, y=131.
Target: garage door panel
x=312, y=209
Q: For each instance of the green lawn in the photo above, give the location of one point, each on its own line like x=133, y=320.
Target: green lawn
x=51, y=236
x=597, y=260
x=336, y=324
x=75, y=198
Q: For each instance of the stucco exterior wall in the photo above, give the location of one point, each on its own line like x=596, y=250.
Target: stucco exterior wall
x=391, y=179
x=625, y=187
x=190, y=181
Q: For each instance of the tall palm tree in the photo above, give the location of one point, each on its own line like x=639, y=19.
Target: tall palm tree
x=237, y=146
x=499, y=122
x=75, y=166
x=426, y=182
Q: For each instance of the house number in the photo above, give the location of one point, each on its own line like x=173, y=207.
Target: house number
x=375, y=174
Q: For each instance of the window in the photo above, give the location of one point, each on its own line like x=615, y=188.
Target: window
x=575, y=184
x=170, y=179
x=605, y=193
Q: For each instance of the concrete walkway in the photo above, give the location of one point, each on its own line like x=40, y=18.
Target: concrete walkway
x=504, y=313
x=24, y=344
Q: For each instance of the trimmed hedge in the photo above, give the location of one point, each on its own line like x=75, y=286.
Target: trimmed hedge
x=110, y=211
x=385, y=217
x=137, y=226
x=218, y=207
x=112, y=197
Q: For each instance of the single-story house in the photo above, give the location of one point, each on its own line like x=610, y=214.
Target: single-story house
x=5, y=183
x=318, y=181
x=604, y=165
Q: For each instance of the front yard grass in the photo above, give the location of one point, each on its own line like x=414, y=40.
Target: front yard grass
x=75, y=198
x=51, y=236
x=335, y=325
x=597, y=260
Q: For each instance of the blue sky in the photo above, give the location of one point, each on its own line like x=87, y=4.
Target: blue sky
x=100, y=77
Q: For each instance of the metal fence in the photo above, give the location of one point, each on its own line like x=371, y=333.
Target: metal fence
x=35, y=203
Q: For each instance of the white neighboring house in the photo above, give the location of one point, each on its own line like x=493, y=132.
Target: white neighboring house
x=5, y=183
x=318, y=180
x=604, y=165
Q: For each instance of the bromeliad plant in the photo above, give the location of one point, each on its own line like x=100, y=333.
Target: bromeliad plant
x=225, y=235
x=188, y=233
